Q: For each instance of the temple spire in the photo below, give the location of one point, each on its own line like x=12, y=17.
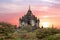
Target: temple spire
x=29, y=7
x=29, y=11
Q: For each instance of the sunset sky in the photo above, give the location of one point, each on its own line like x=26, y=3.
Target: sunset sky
x=45, y=10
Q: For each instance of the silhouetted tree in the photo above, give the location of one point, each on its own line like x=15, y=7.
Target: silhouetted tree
x=42, y=26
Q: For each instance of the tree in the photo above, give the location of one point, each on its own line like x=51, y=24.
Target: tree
x=6, y=29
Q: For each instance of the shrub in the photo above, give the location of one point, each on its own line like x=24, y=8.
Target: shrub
x=42, y=33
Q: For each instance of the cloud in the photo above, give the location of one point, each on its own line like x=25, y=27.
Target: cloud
x=50, y=16
x=7, y=8
x=19, y=5
x=51, y=1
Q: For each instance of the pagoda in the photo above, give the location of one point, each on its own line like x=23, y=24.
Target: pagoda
x=29, y=20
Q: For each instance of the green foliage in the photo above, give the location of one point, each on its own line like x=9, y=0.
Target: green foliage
x=42, y=33
x=7, y=32
x=28, y=36
x=27, y=28
x=6, y=29
x=53, y=37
